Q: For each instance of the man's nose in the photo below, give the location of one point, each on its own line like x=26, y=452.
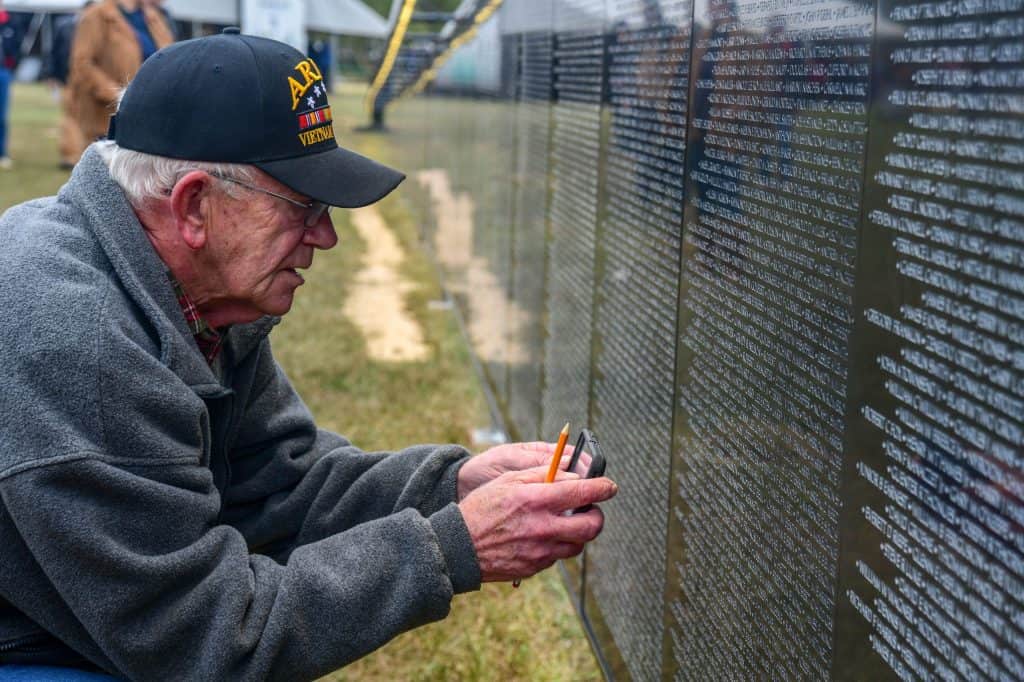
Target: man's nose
x=321, y=235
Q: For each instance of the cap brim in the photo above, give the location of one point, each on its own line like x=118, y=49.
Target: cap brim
x=338, y=177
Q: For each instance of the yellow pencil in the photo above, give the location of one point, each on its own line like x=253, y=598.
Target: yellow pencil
x=562, y=438
x=552, y=470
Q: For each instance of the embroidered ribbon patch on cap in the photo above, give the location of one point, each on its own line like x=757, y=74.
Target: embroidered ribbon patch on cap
x=309, y=99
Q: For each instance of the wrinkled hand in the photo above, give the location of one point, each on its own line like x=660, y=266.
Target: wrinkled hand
x=517, y=522
x=490, y=464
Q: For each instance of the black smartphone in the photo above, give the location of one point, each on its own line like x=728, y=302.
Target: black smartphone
x=587, y=460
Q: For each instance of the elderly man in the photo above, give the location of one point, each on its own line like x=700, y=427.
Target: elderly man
x=168, y=509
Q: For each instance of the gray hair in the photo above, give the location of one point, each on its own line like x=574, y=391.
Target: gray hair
x=146, y=176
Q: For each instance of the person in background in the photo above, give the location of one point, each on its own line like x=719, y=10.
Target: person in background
x=8, y=54
x=71, y=141
x=111, y=41
x=320, y=52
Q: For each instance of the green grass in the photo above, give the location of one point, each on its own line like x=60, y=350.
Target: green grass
x=32, y=143
x=497, y=634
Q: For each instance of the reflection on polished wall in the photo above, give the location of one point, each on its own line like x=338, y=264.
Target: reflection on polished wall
x=772, y=253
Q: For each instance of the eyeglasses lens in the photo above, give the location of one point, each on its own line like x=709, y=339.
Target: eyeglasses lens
x=316, y=212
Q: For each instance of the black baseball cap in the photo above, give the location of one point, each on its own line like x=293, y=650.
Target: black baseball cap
x=234, y=98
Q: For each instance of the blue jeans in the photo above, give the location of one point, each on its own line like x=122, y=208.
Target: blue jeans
x=5, y=87
x=43, y=673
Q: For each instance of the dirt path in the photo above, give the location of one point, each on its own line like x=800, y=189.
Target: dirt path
x=376, y=303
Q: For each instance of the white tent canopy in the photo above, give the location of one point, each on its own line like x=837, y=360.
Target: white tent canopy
x=345, y=17
x=337, y=17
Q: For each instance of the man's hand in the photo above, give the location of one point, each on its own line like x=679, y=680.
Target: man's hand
x=490, y=464
x=517, y=522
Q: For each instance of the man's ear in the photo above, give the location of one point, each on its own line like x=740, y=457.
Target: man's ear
x=191, y=207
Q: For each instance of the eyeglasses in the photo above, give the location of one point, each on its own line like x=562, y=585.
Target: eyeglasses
x=314, y=210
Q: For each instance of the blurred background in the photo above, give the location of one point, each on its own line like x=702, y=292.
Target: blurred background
x=347, y=34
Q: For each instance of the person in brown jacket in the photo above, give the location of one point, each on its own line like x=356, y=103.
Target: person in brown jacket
x=111, y=41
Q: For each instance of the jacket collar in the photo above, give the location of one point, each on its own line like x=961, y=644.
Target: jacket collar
x=111, y=12
x=143, y=275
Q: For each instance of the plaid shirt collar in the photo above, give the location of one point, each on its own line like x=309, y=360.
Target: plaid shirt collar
x=207, y=338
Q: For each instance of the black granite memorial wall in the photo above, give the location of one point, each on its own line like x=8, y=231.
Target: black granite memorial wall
x=532, y=22
x=772, y=253
x=639, y=249
x=578, y=70
x=932, y=576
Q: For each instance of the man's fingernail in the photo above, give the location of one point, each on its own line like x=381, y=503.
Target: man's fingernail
x=615, y=488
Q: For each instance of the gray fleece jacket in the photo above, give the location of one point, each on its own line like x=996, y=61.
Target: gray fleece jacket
x=163, y=525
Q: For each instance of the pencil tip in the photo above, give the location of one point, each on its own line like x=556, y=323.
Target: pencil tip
x=565, y=429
